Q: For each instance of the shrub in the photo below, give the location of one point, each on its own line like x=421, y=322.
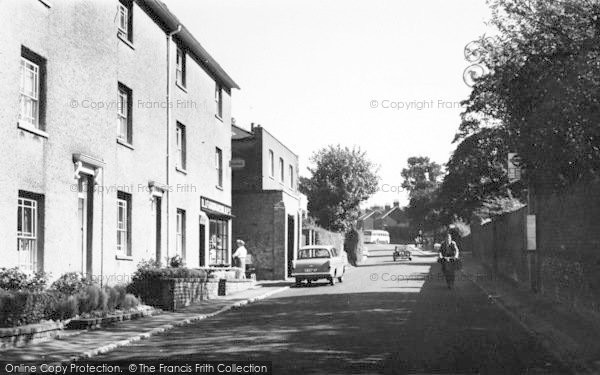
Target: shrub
x=25, y=307
x=71, y=283
x=67, y=308
x=176, y=262
x=89, y=299
x=129, y=302
x=15, y=279
x=113, y=296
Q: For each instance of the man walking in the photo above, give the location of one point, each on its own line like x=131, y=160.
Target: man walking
x=239, y=256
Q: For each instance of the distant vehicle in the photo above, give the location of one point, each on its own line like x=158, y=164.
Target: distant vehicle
x=401, y=252
x=376, y=236
x=319, y=262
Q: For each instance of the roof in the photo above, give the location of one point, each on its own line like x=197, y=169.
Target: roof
x=390, y=211
x=239, y=133
x=161, y=14
x=368, y=214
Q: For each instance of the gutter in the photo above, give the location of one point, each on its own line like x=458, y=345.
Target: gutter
x=160, y=14
x=168, y=129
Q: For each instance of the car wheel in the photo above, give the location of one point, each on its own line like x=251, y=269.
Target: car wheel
x=298, y=282
x=409, y=258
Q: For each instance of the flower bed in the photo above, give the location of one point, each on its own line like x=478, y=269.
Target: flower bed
x=24, y=299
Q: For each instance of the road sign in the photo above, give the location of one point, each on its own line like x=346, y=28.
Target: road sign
x=514, y=169
x=237, y=163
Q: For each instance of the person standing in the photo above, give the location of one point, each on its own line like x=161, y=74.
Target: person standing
x=448, y=257
x=240, y=255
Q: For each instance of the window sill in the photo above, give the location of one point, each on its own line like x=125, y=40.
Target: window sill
x=124, y=39
x=181, y=170
x=219, y=117
x=182, y=87
x=124, y=257
x=219, y=187
x=32, y=129
x=125, y=143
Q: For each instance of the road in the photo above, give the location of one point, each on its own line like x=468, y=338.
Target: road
x=385, y=317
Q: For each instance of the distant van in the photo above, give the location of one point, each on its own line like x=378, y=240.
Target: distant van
x=376, y=236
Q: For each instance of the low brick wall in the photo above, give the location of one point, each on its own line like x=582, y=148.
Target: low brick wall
x=20, y=336
x=171, y=294
x=231, y=286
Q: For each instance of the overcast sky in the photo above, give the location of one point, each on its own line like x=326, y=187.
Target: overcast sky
x=312, y=71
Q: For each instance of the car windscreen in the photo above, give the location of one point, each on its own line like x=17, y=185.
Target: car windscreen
x=313, y=253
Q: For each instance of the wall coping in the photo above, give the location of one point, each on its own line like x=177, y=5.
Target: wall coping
x=31, y=329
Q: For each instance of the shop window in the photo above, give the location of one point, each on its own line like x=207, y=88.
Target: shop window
x=219, y=242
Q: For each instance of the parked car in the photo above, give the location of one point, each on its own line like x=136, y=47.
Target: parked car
x=319, y=262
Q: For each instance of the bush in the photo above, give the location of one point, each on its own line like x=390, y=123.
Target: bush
x=24, y=307
x=176, y=262
x=15, y=279
x=67, y=308
x=129, y=302
x=71, y=283
x=113, y=296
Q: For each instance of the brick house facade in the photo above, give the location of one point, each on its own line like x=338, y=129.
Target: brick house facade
x=267, y=206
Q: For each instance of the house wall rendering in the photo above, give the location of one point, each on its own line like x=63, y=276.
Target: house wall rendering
x=89, y=181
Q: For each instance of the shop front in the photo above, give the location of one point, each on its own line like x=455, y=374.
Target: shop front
x=215, y=233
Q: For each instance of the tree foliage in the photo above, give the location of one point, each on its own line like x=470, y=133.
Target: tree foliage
x=422, y=180
x=420, y=175
x=543, y=86
x=341, y=179
x=477, y=174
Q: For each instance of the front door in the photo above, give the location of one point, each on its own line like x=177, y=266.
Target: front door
x=202, y=251
x=158, y=226
x=291, y=244
x=85, y=223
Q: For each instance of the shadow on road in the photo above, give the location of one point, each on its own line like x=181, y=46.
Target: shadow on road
x=401, y=328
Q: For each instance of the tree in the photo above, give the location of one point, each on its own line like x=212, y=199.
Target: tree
x=341, y=179
x=421, y=174
x=543, y=87
x=422, y=180
x=477, y=174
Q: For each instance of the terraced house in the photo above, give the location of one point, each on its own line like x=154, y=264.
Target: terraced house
x=115, y=130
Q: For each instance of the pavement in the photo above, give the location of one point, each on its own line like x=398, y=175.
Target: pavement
x=570, y=335
x=386, y=318
x=79, y=345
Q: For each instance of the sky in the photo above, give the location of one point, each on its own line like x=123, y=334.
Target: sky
x=382, y=75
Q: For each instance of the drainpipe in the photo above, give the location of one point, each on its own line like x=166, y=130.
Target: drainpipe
x=168, y=129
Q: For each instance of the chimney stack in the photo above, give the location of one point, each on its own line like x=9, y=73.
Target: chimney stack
x=252, y=127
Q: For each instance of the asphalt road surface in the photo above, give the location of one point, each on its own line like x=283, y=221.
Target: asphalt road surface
x=385, y=317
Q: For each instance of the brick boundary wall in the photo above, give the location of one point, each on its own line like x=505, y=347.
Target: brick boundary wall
x=565, y=267
x=171, y=293
x=568, y=241
x=20, y=336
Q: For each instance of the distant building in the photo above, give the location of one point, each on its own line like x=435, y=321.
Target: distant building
x=390, y=218
x=267, y=206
